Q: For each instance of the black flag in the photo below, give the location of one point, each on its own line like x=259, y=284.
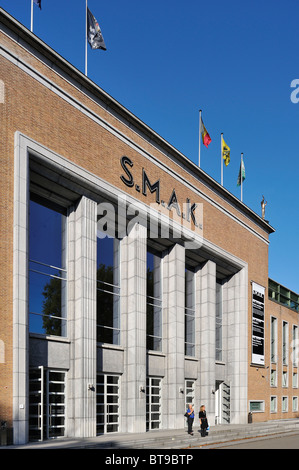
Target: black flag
x=94, y=33
x=38, y=3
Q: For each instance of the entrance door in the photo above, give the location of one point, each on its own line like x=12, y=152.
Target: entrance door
x=108, y=403
x=46, y=404
x=153, y=403
x=190, y=395
x=222, y=402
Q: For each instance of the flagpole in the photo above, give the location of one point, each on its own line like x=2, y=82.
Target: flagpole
x=86, y=40
x=221, y=162
x=241, y=177
x=31, y=23
x=199, y=139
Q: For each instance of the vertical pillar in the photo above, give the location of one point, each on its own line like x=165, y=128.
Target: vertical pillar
x=82, y=318
x=206, y=336
x=133, y=321
x=20, y=294
x=173, y=334
x=237, y=344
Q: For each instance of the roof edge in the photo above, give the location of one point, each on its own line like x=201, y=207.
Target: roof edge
x=55, y=58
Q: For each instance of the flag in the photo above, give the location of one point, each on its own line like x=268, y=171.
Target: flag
x=38, y=3
x=94, y=33
x=241, y=173
x=204, y=134
x=225, y=152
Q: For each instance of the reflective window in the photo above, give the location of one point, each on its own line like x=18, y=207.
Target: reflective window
x=47, y=271
x=285, y=340
x=154, y=302
x=189, y=312
x=108, y=290
x=218, y=321
x=273, y=334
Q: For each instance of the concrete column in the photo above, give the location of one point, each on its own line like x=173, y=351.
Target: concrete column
x=206, y=337
x=236, y=344
x=20, y=295
x=133, y=324
x=82, y=318
x=173, y=401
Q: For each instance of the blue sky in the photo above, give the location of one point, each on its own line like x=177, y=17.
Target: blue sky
x=235, y=60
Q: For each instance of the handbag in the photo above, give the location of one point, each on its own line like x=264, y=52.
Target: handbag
x=186, y=415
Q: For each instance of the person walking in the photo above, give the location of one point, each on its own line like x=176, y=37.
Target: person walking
x=203, y=420
x=190, y=418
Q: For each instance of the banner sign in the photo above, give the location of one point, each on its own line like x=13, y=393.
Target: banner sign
x=258, y=324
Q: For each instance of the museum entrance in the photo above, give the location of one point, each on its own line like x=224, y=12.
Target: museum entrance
x=46, y=404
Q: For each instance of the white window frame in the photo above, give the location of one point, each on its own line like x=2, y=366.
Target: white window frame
x=295, y=379
x=273, y=340
x=284, y=399
x=262, y=402
x=274, y=398
x=285, y=343
x=285, y=379
x=105, y=403
x=149, y=403
x=274, y=383
x=295, y=344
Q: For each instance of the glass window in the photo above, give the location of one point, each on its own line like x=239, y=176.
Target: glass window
x=295, y=380
x=154, y=302
x=295, y=346
x=295, y=404
x=108, y=290
x=257, y=406
x=284, y=404
x=273, y=339
x=285, y=329
x=284, y=378
x=273, y=378
x=273, y=405
x=189, y=393
x=189, y=312
x=218, y=321
x=47, y=271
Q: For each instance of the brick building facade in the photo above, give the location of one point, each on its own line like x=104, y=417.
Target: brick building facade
x=126, y=329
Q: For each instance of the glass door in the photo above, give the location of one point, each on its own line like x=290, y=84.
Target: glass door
x=107, y=403
x=46, y=404
x=153, y=403
x=55, y=404
x=189, y=394
x=36, y=398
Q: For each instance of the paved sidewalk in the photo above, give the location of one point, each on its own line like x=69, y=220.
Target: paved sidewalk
x=169, y=439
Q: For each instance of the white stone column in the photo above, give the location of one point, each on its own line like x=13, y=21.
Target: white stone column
x=133, y=325
x=236, y=344
x=82, y=230
x=20, y=294
x=173, y=401
x=206, y=337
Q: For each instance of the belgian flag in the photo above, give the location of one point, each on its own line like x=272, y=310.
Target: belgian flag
x=206, y=139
